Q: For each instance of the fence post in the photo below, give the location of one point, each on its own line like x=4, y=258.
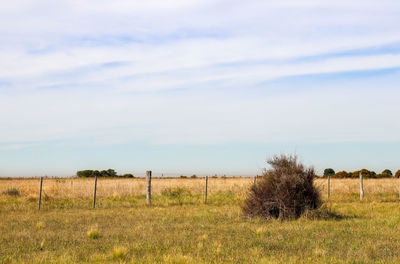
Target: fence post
x=255, y=180
x=205, y=193
x=361, y=187
x=95, y=190
x=329, y=186
x=148, y=193
x=40, y=192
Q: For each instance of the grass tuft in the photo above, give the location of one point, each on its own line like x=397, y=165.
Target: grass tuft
x=40, y=225
x=119, y=253
x=178, y=259
x=41, y=246
x=93, y=233
x=12, y=192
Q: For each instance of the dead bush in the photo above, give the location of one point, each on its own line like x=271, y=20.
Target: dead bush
x=285, y=191
x=12, y=192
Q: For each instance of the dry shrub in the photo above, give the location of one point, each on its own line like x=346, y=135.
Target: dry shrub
x=285, y=191
x=12, y=192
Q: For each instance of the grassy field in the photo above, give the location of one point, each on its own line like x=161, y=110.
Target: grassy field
x=179, y=228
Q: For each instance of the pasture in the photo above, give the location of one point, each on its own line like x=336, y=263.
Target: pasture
x=179, y=228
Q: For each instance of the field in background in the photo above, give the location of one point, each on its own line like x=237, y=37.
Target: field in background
x=179, y=228
x=83, y=188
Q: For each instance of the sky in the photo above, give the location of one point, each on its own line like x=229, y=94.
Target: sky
x=198, y=86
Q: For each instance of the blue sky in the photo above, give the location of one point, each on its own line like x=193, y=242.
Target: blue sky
x=198, y=87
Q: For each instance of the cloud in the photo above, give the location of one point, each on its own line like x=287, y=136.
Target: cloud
x=197, y=72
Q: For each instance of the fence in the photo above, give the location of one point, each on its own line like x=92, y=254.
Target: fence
x=148, y=189
x=91, y=187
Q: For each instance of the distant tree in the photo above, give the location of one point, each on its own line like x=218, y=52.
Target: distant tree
x=343, y=174
x=84, y=173
x=109, y=173
x=81, y=174
x=329, y=172
x=387, y=171
x=397, y=175
x=385, y=174
x=96, y=173
x=127, y=175
x=365, y=173
x=103, y=173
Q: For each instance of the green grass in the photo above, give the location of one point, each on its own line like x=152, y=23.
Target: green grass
x=183, y=230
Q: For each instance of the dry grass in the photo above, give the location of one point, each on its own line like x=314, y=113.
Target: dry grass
x=365, y=232
x=188, y=231
x=83, y=188
x=352, y=186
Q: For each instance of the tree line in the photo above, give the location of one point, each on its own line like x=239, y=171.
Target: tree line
x=366, y=174
x=110, y=173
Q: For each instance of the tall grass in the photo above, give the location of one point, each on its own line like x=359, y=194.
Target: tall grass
x=83, y=188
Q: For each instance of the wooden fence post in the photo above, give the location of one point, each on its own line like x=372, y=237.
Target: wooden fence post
x=40, y=192
x=95, y=190
x=148, y=193
x=329, y=186
x=205, y=193
x=255, y=180
x=361, y=187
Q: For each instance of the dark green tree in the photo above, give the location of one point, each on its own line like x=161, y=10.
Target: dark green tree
x=387, y=171
x=329, y=172
x=110, y=173
x=84, y=173
x=128, y=175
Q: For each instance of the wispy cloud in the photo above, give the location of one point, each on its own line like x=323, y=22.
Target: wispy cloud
x=196, y=72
